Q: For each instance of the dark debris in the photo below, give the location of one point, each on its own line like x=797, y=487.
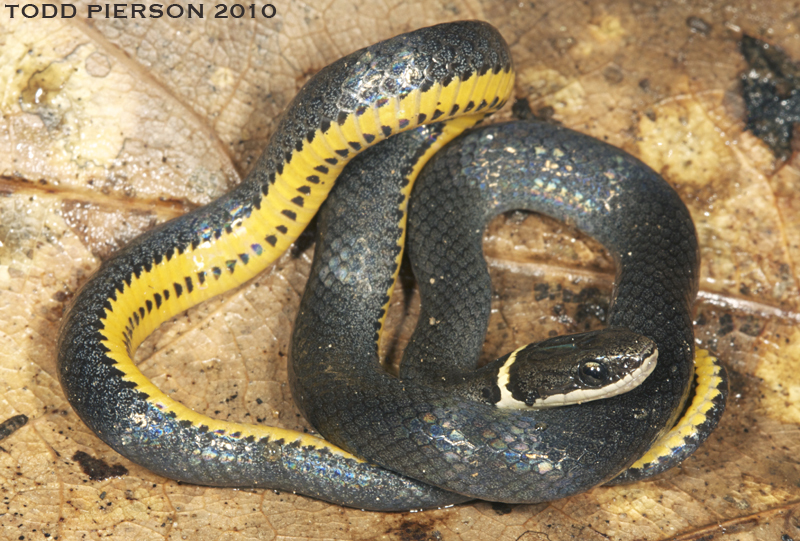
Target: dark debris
x=97, y=469
x=771, y=92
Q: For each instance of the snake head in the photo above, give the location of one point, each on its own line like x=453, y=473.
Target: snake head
x=575, y=368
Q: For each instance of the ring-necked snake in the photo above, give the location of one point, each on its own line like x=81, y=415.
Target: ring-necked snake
x=456, y=73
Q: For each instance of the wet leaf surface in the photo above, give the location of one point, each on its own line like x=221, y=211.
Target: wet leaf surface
x=110, y=126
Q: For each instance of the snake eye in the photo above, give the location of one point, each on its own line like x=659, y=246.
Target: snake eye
x=593, y=373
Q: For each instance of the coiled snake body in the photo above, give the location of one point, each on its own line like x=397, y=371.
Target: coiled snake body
x=456, y=73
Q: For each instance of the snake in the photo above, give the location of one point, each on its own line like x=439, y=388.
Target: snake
x=449, y=76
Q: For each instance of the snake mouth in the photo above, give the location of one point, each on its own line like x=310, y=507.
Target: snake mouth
x=624, y=385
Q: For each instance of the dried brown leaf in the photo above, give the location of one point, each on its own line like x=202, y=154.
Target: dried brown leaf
x=109, y=126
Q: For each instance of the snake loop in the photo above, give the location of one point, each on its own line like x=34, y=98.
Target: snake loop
x=463, y=441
